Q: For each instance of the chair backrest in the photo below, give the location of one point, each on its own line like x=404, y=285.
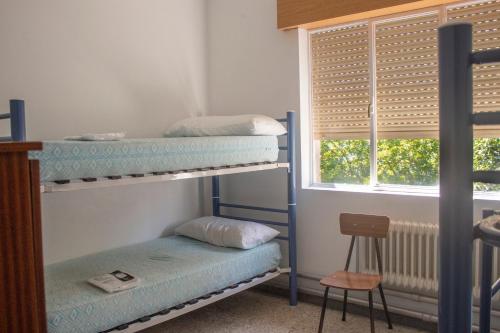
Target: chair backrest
x=364, y=225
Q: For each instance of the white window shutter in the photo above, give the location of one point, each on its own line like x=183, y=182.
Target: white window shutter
x=407, y=77
x=340, y=83
x=485, y=19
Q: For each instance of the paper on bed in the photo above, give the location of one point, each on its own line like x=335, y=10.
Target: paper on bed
x=97, y=137
x=114, y=281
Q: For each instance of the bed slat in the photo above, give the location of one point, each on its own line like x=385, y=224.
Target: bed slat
x=192, y=305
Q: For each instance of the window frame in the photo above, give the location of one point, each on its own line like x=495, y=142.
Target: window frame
x=310, y=148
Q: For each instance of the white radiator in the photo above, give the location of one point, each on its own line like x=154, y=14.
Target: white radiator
x=410, y=258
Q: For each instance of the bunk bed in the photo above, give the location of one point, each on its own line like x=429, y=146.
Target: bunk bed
x=72, y=165
x=456, y=60
x=180, y=274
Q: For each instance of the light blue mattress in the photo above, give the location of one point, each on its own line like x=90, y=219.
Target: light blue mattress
x=173, y=270
x=66, y=160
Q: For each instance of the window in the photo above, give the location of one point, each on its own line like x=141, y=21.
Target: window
x=340, y=100
x=375, y=99
x=407, y=100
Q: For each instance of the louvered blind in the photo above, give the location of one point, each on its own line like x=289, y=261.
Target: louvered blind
x=340, y=83
x=406, y=74
x=485, y=18
x=407, y=77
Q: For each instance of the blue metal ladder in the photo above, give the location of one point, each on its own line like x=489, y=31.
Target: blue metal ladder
x=291, y=210
x=493, y=177
x=456, y=60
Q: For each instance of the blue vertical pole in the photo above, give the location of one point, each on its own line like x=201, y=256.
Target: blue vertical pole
x=215, y=196
x=486, y=277
x=292, y=208
x=455, y=203
x=17, y=120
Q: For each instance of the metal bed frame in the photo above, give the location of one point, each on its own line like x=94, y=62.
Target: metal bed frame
x=291, y=210
x=488, y=291
x=17, y=117
x=17, y=121
x=456, y=60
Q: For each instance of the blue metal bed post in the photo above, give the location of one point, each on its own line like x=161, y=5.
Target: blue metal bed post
x=292, y=208
x=455, y=203
x=215, y=196
x=17, y=120
x=486, y=277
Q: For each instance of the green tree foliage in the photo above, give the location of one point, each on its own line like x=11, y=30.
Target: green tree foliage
x=345, y=161
x=400, y=161
x=408, y=162
x=486, y=157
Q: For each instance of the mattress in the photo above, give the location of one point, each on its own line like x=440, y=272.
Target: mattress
x=66, y=160
x=173, y=270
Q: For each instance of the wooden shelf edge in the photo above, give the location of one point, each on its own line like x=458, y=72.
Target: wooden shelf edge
x=19, y=147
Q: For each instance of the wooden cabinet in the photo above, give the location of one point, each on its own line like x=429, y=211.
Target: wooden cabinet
x=22, y=299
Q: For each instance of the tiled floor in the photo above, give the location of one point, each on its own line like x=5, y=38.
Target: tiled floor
x=258, y=312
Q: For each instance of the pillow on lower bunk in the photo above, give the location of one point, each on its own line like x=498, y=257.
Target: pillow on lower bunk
x=227, y=232
x=246, y=124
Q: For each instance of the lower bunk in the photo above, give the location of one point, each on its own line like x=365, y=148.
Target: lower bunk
x=177, y=275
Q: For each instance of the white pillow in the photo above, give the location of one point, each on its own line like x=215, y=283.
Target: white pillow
x=227, y=232
x=249, y=124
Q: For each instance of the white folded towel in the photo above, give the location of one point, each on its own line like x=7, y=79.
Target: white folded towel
x=97, y=137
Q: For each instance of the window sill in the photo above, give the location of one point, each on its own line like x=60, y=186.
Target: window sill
x=416, y=191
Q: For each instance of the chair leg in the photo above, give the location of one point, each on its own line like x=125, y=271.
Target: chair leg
x=323, y=309
x=370, y=303
x=382, y=296
x=345, y=305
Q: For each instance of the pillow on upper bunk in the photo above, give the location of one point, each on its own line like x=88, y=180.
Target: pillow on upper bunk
x=244, y=125
x=227, y=232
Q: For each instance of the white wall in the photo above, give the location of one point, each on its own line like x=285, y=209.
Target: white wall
x=253, y=67
x=97, y=66
x=92, y=66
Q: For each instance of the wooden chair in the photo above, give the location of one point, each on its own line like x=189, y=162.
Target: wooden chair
x=359, y=225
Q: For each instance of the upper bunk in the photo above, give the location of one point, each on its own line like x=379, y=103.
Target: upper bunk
x=72, y=165
x=68, y=165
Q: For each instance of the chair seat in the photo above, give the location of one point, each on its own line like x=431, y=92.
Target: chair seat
x=352, y=281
